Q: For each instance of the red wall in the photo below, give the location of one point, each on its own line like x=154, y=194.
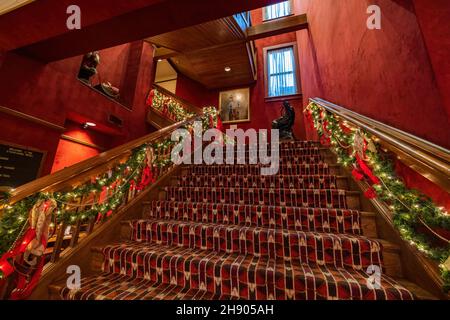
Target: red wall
x=384, y=74
x=414, y=180
x=69, y=152
x=51, y=92
x=434, y=21
x=195, y=92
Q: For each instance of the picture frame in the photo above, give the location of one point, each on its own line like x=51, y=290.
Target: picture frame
x=234, y=105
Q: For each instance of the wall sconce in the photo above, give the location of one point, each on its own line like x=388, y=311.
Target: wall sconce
x=89, y=125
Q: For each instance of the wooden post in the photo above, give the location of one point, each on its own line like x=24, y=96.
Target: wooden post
x=58, y=244
x=75, y=234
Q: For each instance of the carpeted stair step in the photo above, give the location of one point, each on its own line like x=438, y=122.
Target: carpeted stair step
x=258, y=181
x=285, y=155
x=282, y=152
x=331, y=199
x=287, y=218
x=314, y=158
x=255, y=169
x=246, y=277
x=110, y=286
x=282, y=145
x=299, y=144
x=336, y=250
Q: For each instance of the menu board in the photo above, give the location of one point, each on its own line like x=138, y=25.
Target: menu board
x=18, y=165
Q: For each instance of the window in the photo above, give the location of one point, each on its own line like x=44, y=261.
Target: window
x=278, y=10
x=281, y=71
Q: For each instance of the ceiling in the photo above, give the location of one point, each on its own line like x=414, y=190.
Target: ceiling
x=202, y=52
x=40, y=30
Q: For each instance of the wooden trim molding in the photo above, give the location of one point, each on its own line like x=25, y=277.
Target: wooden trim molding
x=31, y=118
x=84, y=143
x=297, y=96
x=277, y=27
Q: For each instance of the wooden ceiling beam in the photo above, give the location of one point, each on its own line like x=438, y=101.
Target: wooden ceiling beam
x=277, y=27
x=165, y=53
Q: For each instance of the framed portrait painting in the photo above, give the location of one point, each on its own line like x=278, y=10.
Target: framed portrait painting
x=234, y=105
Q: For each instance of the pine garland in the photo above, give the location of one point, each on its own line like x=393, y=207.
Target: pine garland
x=410, y=208
x=168, y=106
x=13, y=218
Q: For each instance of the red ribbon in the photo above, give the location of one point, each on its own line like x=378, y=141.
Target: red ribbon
x=219, y=124
x=309, y=119
x=99, y=217
x=325, y=138
x=23, y=287
x=147, y=178
x=370, y=193
x=364, y=168
x=150, y=97
x=357, y=174
x=363, y=171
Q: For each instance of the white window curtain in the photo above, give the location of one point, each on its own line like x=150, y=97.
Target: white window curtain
x=281, y=72
x=277, y=10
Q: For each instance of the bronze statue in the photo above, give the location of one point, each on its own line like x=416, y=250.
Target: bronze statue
x=89, y=66
x=286, y=122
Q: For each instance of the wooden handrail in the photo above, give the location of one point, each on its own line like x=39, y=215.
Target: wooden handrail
x=428, y=159
x=81, y=171
x=189, y=106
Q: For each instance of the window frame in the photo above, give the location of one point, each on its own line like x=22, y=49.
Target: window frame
x=266, y=50
x=273, y=19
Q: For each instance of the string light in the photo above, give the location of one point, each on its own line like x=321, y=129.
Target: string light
x=391, y=189
x=120, y=179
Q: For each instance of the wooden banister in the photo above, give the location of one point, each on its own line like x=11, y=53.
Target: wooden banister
x=78, y=173
x=426, y=158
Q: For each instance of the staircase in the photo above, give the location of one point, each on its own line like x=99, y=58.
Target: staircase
x=226, y=232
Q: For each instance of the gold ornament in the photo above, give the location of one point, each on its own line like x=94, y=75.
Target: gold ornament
x=447, y=264
x=359, y=144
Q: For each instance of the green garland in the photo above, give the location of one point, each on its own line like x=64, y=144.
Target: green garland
x=168, y=106
x=409, y=207
x=13, y=218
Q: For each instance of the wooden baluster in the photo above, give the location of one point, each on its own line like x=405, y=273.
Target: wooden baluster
x=91, y=225
x=59, y=242
x=75, y=234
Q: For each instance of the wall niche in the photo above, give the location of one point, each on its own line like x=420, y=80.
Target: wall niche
x=113, y=72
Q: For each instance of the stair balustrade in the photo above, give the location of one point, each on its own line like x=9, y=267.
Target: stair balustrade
x=48, y=218
x=370, y=148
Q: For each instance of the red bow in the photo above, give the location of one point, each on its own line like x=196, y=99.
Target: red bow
x=147, y=178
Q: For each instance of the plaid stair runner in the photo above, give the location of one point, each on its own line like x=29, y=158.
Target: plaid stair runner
x=226, y=232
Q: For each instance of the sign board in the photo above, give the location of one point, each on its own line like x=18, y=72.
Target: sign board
x=19, y=165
